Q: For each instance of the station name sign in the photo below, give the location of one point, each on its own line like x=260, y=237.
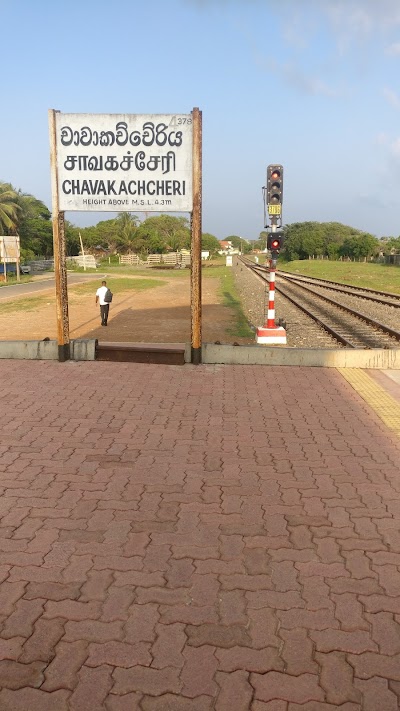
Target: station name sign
x=124, y=162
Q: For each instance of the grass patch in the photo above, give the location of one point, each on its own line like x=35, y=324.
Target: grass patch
x=31, y=304
x=24, y=279
x=374, y=276
x=240, y=327
x=117, y=285
x=216, y=271
x=124, y=269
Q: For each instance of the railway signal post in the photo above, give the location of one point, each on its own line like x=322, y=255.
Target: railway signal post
x=270, y=333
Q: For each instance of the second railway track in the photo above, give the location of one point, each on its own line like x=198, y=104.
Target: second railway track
x=355, y=318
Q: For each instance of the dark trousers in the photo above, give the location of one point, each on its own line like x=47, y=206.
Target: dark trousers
x=104, y=313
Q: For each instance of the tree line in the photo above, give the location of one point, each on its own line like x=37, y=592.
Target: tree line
x=25, y=215
x=331, y=240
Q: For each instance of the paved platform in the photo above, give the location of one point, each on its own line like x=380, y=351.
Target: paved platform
x=198, y=538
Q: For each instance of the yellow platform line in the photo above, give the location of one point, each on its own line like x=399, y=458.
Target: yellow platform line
x=385, y=406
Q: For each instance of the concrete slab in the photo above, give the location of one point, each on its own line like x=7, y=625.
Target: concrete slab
x=317, y=358
x=81, y=349
x=393, y=375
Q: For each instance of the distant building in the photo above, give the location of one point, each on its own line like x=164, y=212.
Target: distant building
x=227, y=248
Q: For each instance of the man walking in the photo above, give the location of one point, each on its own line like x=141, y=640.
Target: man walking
x=104, y=305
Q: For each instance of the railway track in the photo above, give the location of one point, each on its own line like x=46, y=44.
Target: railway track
x=347, y=317
x=380, y=297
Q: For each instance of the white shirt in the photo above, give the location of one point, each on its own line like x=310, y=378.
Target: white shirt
x=101, y=292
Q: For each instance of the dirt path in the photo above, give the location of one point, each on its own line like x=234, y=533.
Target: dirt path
x=157, y=315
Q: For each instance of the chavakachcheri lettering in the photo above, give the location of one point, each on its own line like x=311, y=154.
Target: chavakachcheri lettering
x=123, y=187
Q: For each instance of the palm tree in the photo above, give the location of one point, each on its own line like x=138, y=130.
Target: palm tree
x=9, y=208
x=127, y=225
x=31, y=207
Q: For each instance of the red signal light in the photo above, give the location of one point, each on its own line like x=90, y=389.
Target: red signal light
x=275, y=242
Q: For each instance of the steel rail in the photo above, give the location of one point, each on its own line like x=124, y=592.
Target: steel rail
x=345, y=288
x=377, y=324
x=315, y=318
x=337, y=336
x=372, y=322
x=341, y=285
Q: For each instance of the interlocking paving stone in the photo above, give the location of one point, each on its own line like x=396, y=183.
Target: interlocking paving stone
x=209, y=538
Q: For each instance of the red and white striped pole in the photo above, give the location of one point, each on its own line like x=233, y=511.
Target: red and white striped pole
x=270, y=333
x=271, y=296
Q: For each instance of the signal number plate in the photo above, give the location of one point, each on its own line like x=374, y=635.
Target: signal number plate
x=274, y=209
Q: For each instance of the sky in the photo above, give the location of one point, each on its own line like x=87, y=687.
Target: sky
x=313, y=85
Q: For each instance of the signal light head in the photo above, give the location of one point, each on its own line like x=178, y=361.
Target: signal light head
x=275, y=242
x=274, y=193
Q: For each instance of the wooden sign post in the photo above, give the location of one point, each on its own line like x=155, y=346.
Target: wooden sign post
x=195, y=284
x=60, y=268
x=126, y=163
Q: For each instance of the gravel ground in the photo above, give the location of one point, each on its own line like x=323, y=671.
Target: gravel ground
x=301, y=331
x=388, y=315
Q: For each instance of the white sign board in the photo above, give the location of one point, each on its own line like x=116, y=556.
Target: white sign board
x=9, y=248
x=124, y=162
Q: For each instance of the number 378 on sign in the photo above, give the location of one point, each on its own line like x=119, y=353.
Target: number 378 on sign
x=274, y=209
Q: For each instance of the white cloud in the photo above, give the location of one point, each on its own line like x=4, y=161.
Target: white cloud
x=364, y=14
x=309, y=84
x=393, y=50
x=358, y=17
x=351, y=21
x=382, y=139
x=392, y=97
x=389, y=144
x=358, y=28
x=293, y=75
x=395, y=148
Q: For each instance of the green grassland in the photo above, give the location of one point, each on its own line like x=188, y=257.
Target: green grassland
x=117, y=285
x=240, y=328
x=107, y=270
x=12, y=279
x=374, y=276
x=227, y=290
x=24, y=304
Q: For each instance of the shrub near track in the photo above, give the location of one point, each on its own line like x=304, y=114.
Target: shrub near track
x=230, y=297
x=373, y=276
